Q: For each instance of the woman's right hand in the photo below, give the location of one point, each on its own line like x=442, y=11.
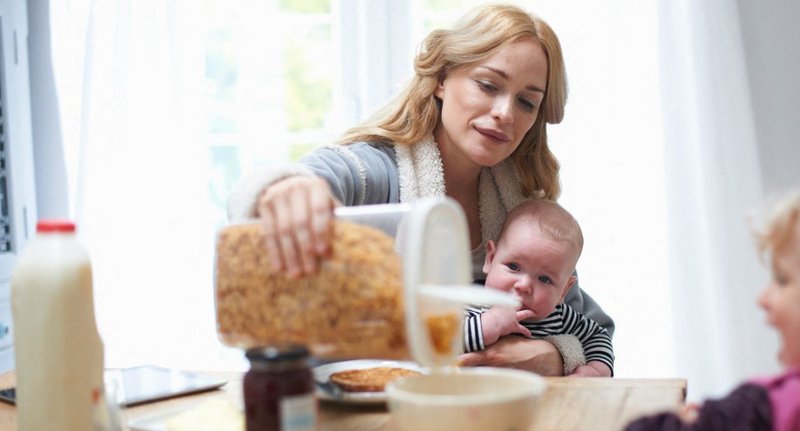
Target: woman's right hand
x=296, y=215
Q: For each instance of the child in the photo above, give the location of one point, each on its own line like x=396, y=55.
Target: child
x=769, y=403
x=534, y=259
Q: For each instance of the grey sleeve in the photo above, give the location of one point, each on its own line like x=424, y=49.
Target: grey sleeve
x=359, y=174
x=244, y=196
x=584, y=304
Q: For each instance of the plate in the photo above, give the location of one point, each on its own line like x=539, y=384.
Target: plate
x=323, y=372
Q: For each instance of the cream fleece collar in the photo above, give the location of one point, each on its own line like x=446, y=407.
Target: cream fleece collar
x=422, y=175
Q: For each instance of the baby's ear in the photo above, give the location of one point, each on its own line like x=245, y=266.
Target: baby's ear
x=490, y=250
x=570, y=283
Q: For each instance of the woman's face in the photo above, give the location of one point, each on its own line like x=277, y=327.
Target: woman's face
x=781, y=298
x=488, y=107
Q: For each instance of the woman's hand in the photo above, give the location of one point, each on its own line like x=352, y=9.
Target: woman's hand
x=513, y=351
x=296, y=215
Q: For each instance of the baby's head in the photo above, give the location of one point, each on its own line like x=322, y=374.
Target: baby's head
x=780, y=239
x=536, y=253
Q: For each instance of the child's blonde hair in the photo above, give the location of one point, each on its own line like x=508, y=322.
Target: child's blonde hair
x=782, y=221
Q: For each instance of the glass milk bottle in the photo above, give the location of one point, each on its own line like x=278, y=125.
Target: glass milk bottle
x=59, y=354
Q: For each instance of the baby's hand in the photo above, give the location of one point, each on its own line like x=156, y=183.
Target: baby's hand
x=499, y=321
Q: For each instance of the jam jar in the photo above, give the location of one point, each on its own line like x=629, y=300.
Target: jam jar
x=279, y=390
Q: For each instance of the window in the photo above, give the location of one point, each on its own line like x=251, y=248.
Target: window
x=268, y=86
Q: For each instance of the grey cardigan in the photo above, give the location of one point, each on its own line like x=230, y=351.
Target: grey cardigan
x=377, y=173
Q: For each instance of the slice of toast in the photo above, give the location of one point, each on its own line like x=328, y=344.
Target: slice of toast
x=369, y=379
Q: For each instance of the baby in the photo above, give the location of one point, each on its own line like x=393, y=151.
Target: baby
x=768, y=403
x=534, y=259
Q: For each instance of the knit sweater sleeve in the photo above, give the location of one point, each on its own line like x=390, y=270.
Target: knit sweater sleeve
x=359, y=173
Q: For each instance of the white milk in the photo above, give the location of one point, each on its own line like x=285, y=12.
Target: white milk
x=59, y=354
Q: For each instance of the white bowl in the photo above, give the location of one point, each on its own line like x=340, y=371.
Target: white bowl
x=470, y=399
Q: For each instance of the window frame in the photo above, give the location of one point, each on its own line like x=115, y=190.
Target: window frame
x=18, y=152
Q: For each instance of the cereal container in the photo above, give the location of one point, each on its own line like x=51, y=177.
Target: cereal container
x=394, y=270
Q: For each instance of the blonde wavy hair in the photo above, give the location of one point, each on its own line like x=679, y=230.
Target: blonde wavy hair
x=781, y=225
x=415, y=112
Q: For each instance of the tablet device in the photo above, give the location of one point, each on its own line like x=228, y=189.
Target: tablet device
x=147, y=383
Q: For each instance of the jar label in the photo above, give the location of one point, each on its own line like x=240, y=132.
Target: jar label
x=299, y=413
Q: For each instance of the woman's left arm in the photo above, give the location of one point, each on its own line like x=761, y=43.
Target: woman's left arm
x=522, y=353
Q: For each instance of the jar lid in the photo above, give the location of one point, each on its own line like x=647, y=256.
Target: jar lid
x=277, y=353
x=55, y=225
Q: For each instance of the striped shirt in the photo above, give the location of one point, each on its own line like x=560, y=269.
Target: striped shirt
x=563, y=320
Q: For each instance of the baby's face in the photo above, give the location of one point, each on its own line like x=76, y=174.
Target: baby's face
x=781, y=299
x=531, y=266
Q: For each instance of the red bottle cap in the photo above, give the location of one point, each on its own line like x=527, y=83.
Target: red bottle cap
x=55, y=225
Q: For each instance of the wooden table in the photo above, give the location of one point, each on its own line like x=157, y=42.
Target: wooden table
x=598, y=404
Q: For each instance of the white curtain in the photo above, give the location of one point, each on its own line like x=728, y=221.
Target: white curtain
x=713, y=180
x=610, y=149
x=129, y=76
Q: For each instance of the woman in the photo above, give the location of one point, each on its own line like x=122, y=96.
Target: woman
x=470, y=125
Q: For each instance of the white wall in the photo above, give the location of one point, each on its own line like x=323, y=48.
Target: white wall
x=770, y=33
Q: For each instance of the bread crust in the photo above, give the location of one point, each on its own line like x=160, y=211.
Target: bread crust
x=369, y=379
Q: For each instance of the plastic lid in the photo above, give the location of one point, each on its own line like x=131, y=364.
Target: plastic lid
x=437, y=275
x=277, y=353
x=55, y=225
x=386, y=217
x=435, y=253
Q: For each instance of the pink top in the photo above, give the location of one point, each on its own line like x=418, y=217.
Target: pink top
x=784, y=396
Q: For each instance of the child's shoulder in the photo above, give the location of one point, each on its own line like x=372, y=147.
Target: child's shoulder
x=788, y=379
x=783, y=391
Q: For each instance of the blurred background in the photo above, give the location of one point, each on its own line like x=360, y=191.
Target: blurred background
x=681, y=119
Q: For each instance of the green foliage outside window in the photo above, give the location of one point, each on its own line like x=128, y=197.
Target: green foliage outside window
x=306, y=6
x=297, y=151
x=308, y=98
x=442, y=4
